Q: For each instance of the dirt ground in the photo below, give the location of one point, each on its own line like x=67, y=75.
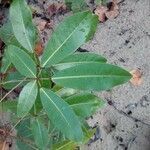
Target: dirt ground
x=124, y=124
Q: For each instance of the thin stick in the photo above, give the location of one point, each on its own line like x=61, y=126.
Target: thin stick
x=17, y=124
x=26, y=141
x=13, y=81
x=11, y=90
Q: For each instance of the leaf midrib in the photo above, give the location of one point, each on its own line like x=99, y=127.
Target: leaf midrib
x=79, y=62
x=27, y=99
x=24, y=29
x=26, y=66
x=57, y=108
x=64, y=145
x=40, y=132
x=86, y=76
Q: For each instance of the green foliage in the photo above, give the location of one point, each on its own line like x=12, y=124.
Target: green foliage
x=22, y=61
x=55, y=97
x=84, y=104
x=76, y=5
x=6, y=62
x=91, y=76
x=61, y=45
x=7, y=34
x=79, y=58
x=65, y=145
x=24, y=133
x=80, y=5
x=68, y=122
x=13, y=79
x=102, y=2
x=40, y=134
x=23, y=28
x=9, y=105
x=27, y=98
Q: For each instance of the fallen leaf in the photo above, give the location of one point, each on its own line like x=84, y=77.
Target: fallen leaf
x=1, y=144
x=56, y=8
x=101, y=13
x=42, y=25
x=5, y=2
x=39, y=48
x=4, y=145
x=113, y=12
x=110, y=11
x=50, y=25
x=136, y=79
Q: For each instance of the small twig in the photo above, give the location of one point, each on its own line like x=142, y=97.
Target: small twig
x=26, y=141
x=121, y=1
x=4, y=145
x=11, y=90
x=13, y=81
x=17, y=123
x=128, y=116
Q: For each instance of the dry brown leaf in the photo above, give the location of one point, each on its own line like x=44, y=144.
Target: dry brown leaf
x=4, y=145
x=56, y=8
x=110, y=12
x=136, y=77
x=101, y=13
x=113, y=12
x=39, y=48
x=115, y=1
x=1, y=145
x=5, y=2
x=50, y=25
x=42, y=25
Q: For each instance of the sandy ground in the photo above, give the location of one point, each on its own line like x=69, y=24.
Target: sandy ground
x=124, y=124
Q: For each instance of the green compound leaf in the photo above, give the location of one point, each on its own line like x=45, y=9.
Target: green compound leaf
x=27, y=98
x=22, y=61
x=79, y=58
x=85, y=104
x=23, y=28
x=61, y=115
x=40, y=134
x=68, y=37
x=91, y=76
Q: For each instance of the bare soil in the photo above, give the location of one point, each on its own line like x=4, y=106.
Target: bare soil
x=124, y=124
